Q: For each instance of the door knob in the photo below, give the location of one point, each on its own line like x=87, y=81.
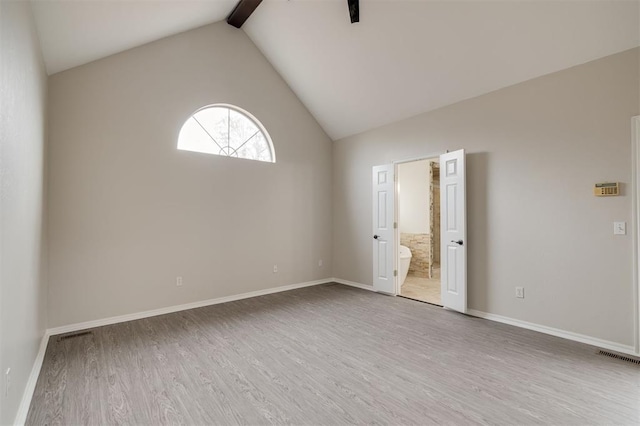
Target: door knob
x=375, y=237
x=459, y=242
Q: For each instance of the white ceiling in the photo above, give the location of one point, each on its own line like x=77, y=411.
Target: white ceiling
x=75, y=32
x=408, y=57
x=405, y=57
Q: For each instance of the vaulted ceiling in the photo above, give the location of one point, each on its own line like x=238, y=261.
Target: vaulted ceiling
x=402, y=59
x=76, y=32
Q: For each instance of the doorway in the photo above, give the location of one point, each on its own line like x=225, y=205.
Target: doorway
x=418, y=227
x=453, y=229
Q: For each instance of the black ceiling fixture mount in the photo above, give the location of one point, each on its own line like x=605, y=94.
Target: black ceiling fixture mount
x=354, y=10
x=245, y=8
x=242, y=11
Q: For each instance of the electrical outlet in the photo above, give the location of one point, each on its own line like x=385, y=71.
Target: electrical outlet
x=275, y=269
x=520, y=292
x=179, y=281
x=320, y=263
x=7, y=381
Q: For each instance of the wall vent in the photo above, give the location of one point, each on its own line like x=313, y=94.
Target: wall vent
x=626, y=358
x=71, y=336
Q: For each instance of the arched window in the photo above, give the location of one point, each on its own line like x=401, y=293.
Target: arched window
x=226, y=130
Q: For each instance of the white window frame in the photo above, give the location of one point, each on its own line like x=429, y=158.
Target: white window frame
x=246, y=114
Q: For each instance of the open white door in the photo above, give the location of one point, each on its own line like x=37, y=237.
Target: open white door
x=453, y=231
x=382, y=236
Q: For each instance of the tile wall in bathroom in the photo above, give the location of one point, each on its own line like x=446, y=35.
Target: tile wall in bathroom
x=419, y=246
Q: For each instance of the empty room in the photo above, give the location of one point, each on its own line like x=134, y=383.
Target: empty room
x=319, y=212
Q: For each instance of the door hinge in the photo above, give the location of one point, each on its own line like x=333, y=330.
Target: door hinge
x=395, y=272
x=395, y=225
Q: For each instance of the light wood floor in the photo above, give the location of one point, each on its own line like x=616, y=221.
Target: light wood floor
x=328, y=355
x=424, y=289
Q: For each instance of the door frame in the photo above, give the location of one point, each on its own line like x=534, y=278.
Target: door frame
x=396, y=231
x=635, y=224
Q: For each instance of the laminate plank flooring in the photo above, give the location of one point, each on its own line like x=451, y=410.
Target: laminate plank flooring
x=328, y=355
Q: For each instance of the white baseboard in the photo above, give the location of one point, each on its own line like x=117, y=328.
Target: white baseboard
x=25, y=403
x=353, y=284
x=176, y=308
x=593, y=341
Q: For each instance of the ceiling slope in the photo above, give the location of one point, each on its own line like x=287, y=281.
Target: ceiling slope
x=403, y=58
x=408, y=57
x=76, y=32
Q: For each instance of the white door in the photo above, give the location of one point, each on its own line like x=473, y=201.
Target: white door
x=382, y=235
x=453, y=231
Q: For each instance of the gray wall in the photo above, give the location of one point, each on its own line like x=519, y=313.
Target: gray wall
x=129, y=212
x=535, y=151
x=23, y=290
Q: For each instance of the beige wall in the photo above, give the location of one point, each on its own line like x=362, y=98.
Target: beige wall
x=534, y=152
x=23, y=292
x=129, y=212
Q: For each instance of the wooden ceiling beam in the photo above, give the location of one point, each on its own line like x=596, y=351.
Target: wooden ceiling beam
x=242, y=11
x=354, y=10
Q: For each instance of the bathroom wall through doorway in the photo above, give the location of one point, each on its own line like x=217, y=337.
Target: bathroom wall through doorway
x=418, y=229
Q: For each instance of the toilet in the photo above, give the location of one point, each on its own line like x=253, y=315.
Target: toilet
x=405, y=261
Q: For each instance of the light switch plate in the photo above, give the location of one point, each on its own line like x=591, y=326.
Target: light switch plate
x=620, y=228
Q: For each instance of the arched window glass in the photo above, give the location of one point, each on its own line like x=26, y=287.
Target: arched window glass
x=226, y=130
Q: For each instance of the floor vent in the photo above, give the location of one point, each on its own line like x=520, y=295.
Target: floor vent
x=633, y=360
x=71, y=336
